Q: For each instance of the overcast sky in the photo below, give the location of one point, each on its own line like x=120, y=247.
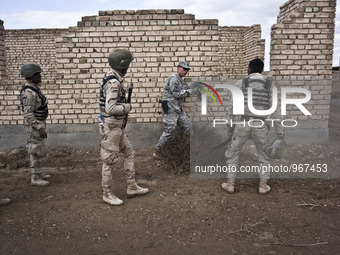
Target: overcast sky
x=23, y=14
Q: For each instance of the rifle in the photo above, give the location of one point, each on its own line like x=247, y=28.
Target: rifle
x=225, y=142
x=129, y=102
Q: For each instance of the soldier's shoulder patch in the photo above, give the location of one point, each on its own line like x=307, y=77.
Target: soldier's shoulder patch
x=114, y=89
x=177, y=88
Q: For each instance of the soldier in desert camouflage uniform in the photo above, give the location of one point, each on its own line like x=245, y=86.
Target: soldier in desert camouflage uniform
x=262, y=100
x=35, y=111
x=175, y=90
x=113, y=108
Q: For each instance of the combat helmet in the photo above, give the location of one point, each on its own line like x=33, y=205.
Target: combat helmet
x=120, y=58
x=29, y=69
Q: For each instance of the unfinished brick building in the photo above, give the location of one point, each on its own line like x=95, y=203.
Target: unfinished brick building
x=74, y=61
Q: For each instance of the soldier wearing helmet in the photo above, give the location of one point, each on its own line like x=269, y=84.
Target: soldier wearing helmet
x=113, y=108
x=35, y=112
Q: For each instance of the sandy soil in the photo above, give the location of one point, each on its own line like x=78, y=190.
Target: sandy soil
x=180, y=215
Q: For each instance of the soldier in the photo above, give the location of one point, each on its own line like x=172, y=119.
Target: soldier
x=262, y=94
x=113, y=108
x=175, y=90
x=35, y=111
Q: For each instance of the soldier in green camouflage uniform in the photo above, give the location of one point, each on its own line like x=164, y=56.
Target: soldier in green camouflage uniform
x=262, y=100
x=35, y=111
x=113, y=108
x=175, y=91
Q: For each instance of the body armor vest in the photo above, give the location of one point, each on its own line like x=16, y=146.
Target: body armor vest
x=42, y=112
x=260, y=95
x=102, y=99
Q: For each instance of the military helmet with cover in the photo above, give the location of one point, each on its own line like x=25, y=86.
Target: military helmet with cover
x=29, y=69
x=120, y=58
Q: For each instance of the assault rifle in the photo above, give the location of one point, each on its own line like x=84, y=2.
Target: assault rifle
x=129, y=102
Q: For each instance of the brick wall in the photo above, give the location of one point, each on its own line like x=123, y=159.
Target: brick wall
x=237, y=46
x=302, y=40
x=2, y=52
x=74, y=60
x=301, y=54
x=253, y=44
x=31, y=45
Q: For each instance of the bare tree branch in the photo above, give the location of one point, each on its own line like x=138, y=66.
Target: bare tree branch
x=245, y=228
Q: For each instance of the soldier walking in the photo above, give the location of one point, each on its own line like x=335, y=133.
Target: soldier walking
x=35, y=111
x=175, y=91
x=113, y=109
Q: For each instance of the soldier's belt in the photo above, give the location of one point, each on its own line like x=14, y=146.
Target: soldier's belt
x=112, y=120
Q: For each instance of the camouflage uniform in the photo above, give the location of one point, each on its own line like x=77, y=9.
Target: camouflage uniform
x=175, y=90
x=114, y=139
x=35, y=112
x=113, y=109
x=258, y=134
x=262, y=100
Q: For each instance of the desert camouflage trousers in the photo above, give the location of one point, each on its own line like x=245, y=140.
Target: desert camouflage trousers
x=170, y=122
x=35, y=148
x=240, y=136
x=115, y=141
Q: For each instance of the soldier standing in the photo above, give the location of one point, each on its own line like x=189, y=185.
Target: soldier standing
x=35, y=111
x=175, y=90
x=262, y=100
x=113, y=109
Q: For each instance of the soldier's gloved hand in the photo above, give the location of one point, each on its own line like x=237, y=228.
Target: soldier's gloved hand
x=195, y=92
x=195, y=85
x=191, y=91
x=42, y=133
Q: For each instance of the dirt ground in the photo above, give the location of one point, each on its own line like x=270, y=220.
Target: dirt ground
x=180, y=215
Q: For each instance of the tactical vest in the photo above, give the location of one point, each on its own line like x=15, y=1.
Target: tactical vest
x=102, y=98
x=42, y=112
x=260, y=96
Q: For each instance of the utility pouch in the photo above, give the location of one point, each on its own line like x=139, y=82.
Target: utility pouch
x=165, y=106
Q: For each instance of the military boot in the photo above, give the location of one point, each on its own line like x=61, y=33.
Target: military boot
x=229, y=186
x=264, y=188
x=37, y=180
x=135, y=190
x=111, y=199
x=108, y=197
